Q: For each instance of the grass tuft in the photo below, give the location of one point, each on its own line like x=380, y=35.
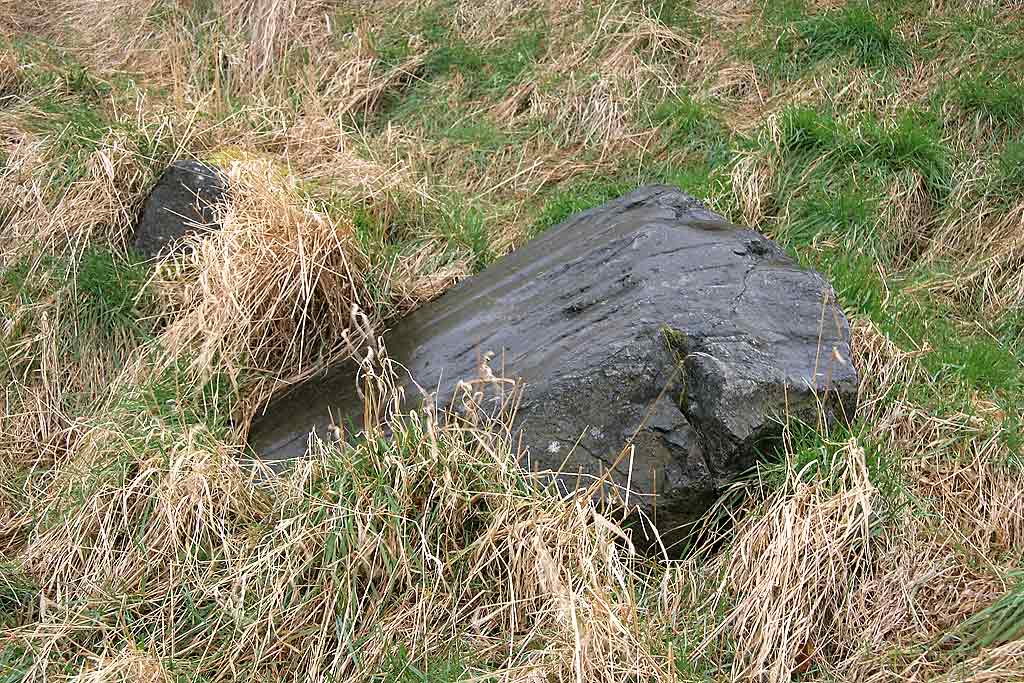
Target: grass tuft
x=1010, y=177
x=995, y=95
x=854, y=33
x=114, y=292
x=273, y=289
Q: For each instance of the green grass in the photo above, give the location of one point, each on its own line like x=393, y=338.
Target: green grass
x=835, y=170
x=689, y=124
x=794, y=40
x=403, y=669
x=832, y=210
x=48, y=69
x=679, y=14
x=1010, y=171
x=996, y=95
x=961, y=359
x=834, y=173
x=976, y=360
x=964, y=356
x=1011, y=330
x=75, y=129
x=912, y=142
x=814, y=456
x=807, y=130
x=489, y=71
x=577, y=197
x=997, y=624
x=855, y=32
x=71, y=109
x=99, y=305
x=177, y=396
x=19, y=592
x=114, y=291
x=465, y=228
x=482, y=73
x=983, y=37
x=15, y=663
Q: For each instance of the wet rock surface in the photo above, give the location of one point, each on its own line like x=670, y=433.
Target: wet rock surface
x=180, y=204
x=648, y=320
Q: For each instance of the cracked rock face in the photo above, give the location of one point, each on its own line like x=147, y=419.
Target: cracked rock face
x=647, y=321
x=180, y=204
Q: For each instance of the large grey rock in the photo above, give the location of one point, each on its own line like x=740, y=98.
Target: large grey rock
x=181, y=202
x=596, y=316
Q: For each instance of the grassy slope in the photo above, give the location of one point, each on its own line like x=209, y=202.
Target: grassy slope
x=386, y=153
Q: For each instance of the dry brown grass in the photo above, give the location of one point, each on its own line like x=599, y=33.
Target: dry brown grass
x=480, y=23
x=128, y=666
x=150, y=542
x=906, y=217
x=50, y=357
x=828, y=577
x=9, y=75
x=100, y=206
x=888, y=371
x=269, y=290
x=979, y=497
x=271, y=28
x=632, y=53
x=399, y=569
x=110, y=34
x=788, y=578
x=986, y=239
x=353, y=86
x=22, y=181
x=423, y=275
x=19, y=16
x=752, y=178
x=998, y=665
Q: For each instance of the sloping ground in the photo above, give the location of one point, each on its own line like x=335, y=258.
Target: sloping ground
x=387, y=150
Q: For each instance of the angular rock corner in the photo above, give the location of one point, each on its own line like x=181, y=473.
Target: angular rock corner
x=648, y=318
x=180, y=204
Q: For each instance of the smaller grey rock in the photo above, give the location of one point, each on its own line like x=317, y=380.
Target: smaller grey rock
x=180, y=204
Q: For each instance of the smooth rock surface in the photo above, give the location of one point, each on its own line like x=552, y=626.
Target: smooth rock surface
x=596, y=316
x=180, y=204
